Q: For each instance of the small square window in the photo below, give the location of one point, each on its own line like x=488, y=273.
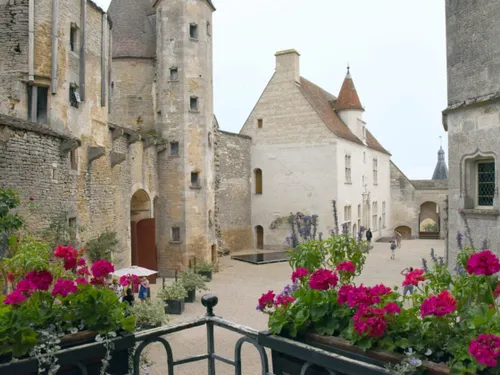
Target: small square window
x=193, y=103
x=73, y=38
x=174, y=148
x=193, y=31
x=260, y=123
x=176, y=234
x=73, y=159
x=174, y=74
x=195, y=179
x=74, y=96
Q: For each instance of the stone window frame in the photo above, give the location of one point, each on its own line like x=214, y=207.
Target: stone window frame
x=348, y=216
x=375, y=171
x=348, y=169
x=375, y=215
x=193, y=31
x=194, y=104
x=32, y=103
x=260, y=123
x=195, y=174
x=259, y=181
x=73, y=159
x=74, y=39
x=175, y=234
x=469, y=179
x=73, y=225
x=172, y=152
x=174, y=74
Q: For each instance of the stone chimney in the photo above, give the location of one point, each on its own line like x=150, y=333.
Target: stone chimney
x=288, y=65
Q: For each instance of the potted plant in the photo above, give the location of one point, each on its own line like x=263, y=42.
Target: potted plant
x=173, y=295
x=149, y=314
x=205, y=269
x=192, y=281
x=449, y=325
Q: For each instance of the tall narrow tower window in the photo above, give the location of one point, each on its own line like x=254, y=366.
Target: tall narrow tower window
x=193, y=103
x=258, y=181
x=174, y=74
x=193, y=31
x=73, y=38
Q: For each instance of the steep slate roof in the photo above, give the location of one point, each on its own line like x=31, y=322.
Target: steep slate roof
x=134, y=35
x=441, y=171
x=321, y=101
x=348, y=96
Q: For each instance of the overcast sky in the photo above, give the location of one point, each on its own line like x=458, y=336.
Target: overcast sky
x=396, y=50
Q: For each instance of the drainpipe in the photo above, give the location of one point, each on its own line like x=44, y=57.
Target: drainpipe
x=83, y=48
x=55, y=43
x=103, y=60
x=31, y=40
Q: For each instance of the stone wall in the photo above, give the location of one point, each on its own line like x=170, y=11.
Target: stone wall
x=403, y=195
x=234, y=193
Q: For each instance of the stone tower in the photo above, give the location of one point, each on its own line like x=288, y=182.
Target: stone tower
x=441, y=171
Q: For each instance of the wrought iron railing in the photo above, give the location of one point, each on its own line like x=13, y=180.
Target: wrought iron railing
x=312, y=360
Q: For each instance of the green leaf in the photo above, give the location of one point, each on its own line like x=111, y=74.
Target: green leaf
x=365, y=343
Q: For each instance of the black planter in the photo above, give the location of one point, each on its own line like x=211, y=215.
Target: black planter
x=89, y=357
x=175, y=307
x=206, y=274
x=191, y=296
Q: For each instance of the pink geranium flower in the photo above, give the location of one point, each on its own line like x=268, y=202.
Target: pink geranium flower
x=63, y=287
x=440, y=305
x=370, y=321
x=299, y=273
x=483, y=263
x=81, y=280
x=284, y=300
x=102, y=268
x=69, y=264
x=83, y=271
x=323, y=279
x=485, y=349
x=14, y=298
x=392, y=308
x=41, y=279
x=266, y=300
x=65, y=252
x=414, y=277
x=346, y=266
x=26, y=287
x=81, y=262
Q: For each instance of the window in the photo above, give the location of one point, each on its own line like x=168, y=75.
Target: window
x=209, y=29
x=174, y=148
x=73, y=38
x=73, y=159
x=209, y=139
x=347, y=168
x=38, y=98
x=364, y=157
x=383, y=215
x=485, y=180
x=193, y=103
x=72, y=227
x=347, y=217
x=176, y=234
x=174, y=74
x=260, y=122
x=74, y=96
x=195, y=179
x=258, y=181
x=193, y=31
x=375, y=172
x=374, y=215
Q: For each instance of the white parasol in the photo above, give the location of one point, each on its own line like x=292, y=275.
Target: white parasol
x=134, y=270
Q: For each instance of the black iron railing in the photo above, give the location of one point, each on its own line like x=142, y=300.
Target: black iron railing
x=311, y=360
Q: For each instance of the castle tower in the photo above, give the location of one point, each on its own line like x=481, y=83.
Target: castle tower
x=349, y=107
x=184, y=97
x=441, y=170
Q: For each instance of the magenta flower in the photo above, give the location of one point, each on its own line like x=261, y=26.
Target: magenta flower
x=370, y=321
x=392, y=308
x=414, y=277
x=102, y=268
x=485, y=349
x=483, y=263
x=82, y=262
x=41, y=279
x=266, y=300
x=26, y=287
x=323, y=279
x=83, y=271
x=65, y=252
x=81, y=280
x=284, y=300
x=69, y=264
x=14, y=298
x=63, y=287
x=440, y=305
x=346, y=266
x=299, y=273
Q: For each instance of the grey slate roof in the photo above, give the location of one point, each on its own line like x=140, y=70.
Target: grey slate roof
x=441, y=171
x=430, y=184
x=134, y=28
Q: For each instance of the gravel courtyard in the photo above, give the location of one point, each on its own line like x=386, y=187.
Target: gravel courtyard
x=238, y=286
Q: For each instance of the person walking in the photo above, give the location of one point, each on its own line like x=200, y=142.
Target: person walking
x=407, y=288
x=398, y=239
x=393, y=250
x=369, y=236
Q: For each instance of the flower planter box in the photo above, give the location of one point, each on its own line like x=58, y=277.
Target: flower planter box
x=88, y=356
x=175, y=307
x=206, y=274
x=289, y=356
x=191, y=296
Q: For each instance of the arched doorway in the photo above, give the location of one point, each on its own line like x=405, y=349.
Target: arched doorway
x=405, y=232
x=429, y=221
x=259, y=233
x=143, y=232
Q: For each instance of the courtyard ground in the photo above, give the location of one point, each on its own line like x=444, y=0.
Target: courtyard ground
x=238, y=285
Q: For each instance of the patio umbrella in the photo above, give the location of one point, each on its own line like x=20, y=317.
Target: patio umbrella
x=134, y=270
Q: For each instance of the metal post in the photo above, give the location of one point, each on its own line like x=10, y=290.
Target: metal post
x=211, y=348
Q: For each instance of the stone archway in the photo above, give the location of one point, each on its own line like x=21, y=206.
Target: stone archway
x=259, y=235
x=429, y=220
x=405, y=232
x=143, y=232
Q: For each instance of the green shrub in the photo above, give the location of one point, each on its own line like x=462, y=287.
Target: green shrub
x=149, y=314
x=192, y=281
x=102, y=247
x=172, y=292
x=204, y=267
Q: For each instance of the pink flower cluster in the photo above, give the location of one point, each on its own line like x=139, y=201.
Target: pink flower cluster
x=485, y=349
x=361, y=296
x=414, y=277
x=483, y=263
x=323, y=279
x=127, y=280
x=101, y=269
x=33, y=281
x=266, y=300
x=299, y=273
x=440, y=305
x=63, y=287
x=346, y=266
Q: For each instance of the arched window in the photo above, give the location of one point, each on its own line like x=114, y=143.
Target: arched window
x=258, y=181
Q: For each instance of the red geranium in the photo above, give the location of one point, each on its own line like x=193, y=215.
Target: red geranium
x=102, y=268
x=485, y=349
x=392, y=308
x=63, y=287
x=69, y=264
x=414, y=277
x=81, y=280
x=81, y=262
x=98, y=281
x=284, y=299
x=11, y=277
x=346, y=266
x=323, y=279
x=14, y=298
x=496, y=292
x=26, y=287
x=65, y=252
x=41, y=279
x=299, y=273
x=83, y=271
x=483, y=263
x=370, y=321
x=440, y=305
x=266, y=300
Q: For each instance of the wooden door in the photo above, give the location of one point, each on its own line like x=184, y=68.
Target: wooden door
x=146, y=255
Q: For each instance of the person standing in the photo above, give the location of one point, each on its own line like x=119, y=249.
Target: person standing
x=369, y=236
x=393, y=250
x=129, y=297
x=143, y=289
x=398, y=239
x=407, y=288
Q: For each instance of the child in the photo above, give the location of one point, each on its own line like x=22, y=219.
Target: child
x=393, y=249
x=129, y=297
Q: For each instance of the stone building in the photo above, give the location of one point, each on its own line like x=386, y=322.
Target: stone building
x=472, y=120
x=113, y=126
x=308, y=148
